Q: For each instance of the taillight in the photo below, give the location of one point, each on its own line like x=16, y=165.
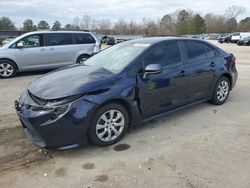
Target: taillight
x=233, y=59
x=230, y=58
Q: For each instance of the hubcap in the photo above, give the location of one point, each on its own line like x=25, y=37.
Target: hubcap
x=110, y=125
x=6, y=69
x=222, y=91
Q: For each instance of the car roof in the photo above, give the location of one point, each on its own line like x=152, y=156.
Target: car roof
x=44, y=32
x=59, y=31
x=154, y=40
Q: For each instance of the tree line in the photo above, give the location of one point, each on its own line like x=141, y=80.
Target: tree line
x=181, y=22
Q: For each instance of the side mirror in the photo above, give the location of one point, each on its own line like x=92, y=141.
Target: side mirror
x=20, y=45
x=152, y=69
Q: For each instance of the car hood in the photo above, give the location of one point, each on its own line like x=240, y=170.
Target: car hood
x=75, y=80
x=2, y=48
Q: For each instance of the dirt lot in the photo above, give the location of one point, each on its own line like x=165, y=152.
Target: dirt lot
x=203, y=146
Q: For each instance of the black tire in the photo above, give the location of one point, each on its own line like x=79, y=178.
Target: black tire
x=81, y=57
x=215, y=98
x=92, y=132
x=7, y=64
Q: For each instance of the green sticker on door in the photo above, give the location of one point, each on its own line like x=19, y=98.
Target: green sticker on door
x=152, y=86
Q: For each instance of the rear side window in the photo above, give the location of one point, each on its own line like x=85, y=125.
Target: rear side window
x=166, y=54
x=83, y=38
x=55, y=39
x=197, y=51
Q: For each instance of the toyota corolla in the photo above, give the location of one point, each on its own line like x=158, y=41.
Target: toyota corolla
x=123, y=86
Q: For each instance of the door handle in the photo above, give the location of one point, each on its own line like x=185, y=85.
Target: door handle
x=52, y=49
x=43, y=49
x=212, y=64
x=183, y=73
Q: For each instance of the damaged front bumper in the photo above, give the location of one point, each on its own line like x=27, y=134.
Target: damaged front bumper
x=47, y=129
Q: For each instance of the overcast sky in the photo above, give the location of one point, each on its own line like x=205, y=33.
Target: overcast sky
x=66, y=10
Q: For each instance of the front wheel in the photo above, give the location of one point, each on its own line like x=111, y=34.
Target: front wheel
x=7, y=69
x=109, y=124
x=221, y=91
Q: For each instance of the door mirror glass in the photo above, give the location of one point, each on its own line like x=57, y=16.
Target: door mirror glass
x=152, y=69
x=20, y=45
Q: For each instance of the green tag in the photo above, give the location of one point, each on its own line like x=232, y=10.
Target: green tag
x=152, y=86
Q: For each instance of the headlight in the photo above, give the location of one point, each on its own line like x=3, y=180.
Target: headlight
x=59, y=102
x=59, y=111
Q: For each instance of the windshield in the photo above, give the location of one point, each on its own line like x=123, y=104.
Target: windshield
x=117, y=57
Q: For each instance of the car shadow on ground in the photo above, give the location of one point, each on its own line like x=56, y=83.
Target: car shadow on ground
x=134, y=132
x=32, y=73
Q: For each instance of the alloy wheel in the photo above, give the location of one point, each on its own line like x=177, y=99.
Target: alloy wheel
x=110, y=125
x=6, y=69
x=222, y=90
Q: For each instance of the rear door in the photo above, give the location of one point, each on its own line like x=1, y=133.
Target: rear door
x=61, y=49
x=164, y=91
x=200, y=66
x=84, y=43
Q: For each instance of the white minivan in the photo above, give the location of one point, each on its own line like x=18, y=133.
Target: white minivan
x=46, y=50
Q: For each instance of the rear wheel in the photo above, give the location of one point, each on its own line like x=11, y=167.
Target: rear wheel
x=221, y=91
x=82, y=58
x=109, y=124
x=8, y=69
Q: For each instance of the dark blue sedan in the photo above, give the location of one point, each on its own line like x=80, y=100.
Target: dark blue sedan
x=123, y=86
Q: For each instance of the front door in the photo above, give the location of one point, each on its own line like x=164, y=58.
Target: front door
x=166, y=90
x=33, y=55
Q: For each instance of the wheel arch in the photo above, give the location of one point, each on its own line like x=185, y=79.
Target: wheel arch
x=81, y=54
x=8, y=59
x=229, y=77
x=124, y=103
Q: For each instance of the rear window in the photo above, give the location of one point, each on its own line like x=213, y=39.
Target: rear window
x=197, y=51
x=55, y=39
x=83, y=38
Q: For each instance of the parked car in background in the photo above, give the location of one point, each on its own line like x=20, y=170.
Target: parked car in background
x=108, y=40
x=124, y=85
x=7, y=40
x=120, y=40
x=244, y=42
x=235, y=37
x=238, y=36
x=226, y=39
x=213, y=36
x=46, y=50
x=244, y=35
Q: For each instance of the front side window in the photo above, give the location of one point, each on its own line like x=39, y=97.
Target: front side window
x=197, y=51
x=30, y=41
x=166, y=54
x=83, y=38
x=55, y=39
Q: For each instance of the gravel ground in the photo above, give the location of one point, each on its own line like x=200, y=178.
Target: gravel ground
x=203, y=146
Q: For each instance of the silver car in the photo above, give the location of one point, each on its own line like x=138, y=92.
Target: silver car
x=46, y=50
